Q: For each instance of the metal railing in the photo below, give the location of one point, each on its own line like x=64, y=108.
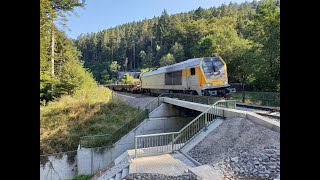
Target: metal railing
x=258, y=98
x=193, y=98
x=110, y=139
x=152, y=144
x=95, y=140
x=231, y=104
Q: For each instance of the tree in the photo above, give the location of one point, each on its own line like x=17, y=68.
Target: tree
x=178, y=52
x=163, y=26
x=146, y=69
x=125, y=64
x=114, y=68
x=105, y=76
x=127, y=79
x=199, y=13
x=245, y=35
x=266, y=28
x=58, y=54
x=205, y=46
x=167, y=59
x=226, y=43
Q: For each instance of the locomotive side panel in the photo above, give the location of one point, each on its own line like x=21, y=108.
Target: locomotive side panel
x=169, y=81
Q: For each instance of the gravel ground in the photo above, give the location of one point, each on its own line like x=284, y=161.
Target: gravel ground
x=135, y=100
x=241, y=150
x=148, y=176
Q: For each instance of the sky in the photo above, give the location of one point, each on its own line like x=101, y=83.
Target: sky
x=98, y=15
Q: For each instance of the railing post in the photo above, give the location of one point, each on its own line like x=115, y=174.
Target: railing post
x=147, y=113
x=222, y=113
x=135, y=147
x=205, y=121
x=91, y=161
x=172, y=142
x=243, y=95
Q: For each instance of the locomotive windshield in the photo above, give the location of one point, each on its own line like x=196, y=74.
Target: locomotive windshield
x=212, y=66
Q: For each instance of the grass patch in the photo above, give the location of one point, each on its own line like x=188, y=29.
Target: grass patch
x=87, y=112
x=82, y=177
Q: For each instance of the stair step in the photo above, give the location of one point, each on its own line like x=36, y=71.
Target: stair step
x=111, y=179
x=125, y=172
x=118, y=176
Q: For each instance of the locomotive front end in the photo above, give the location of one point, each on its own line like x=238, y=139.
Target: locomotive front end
x=215, y=77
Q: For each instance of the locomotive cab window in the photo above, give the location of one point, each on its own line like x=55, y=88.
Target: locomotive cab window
x=193, y=71
x=212, y=67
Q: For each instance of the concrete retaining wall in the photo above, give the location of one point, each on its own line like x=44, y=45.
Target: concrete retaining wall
x=166, y=110
x=155, y=124
x=60, y=169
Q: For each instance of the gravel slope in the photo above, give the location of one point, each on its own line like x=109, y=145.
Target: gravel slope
x=241, y=149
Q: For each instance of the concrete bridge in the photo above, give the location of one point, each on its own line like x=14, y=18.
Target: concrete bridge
x=163, y=163
x=228, y=113
x=170, y=115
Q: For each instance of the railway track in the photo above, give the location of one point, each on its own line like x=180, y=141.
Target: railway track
x=267, y=111
x=259, y=107
x=277, y=117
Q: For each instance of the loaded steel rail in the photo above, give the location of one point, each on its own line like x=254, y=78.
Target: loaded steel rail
x=253, y=106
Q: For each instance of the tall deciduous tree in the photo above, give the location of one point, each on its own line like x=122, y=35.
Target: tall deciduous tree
x=178, y=52
x=167, y=59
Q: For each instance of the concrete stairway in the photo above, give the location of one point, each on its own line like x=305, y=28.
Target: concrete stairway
x=119, y=170
x=206, y=172
x=121, y=174
x=174, y=164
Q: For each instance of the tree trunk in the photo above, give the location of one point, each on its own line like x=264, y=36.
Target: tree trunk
x=52, y=49
x=134, y=57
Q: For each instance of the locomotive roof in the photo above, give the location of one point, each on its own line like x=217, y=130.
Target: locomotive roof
x=175, y=67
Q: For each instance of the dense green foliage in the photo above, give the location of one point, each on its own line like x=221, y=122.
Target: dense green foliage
x=72, y=104
x=246, y=36
x=69, y=74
